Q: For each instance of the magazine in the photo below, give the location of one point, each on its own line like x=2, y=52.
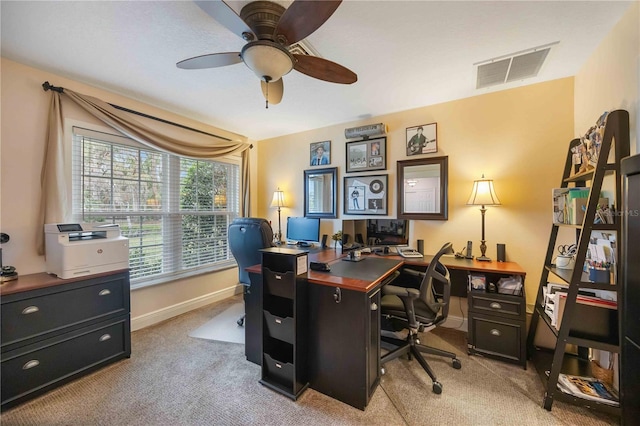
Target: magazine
x=588, y=388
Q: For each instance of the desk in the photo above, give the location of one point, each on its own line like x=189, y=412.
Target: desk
x=343, y=328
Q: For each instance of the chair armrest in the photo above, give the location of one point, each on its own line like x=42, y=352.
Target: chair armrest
x=401, y=292
x=413, y=272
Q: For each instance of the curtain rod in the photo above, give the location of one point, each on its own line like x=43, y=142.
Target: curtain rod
x=46, y=86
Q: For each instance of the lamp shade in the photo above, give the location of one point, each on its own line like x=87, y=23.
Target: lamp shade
x=483, y=193
x=269, y=61
x=278, y=199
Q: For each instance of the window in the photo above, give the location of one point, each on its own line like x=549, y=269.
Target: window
x=174, y=210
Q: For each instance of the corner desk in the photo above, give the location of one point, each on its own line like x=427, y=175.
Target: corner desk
x=343, y=321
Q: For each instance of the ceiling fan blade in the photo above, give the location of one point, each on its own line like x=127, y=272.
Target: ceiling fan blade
x=221, y=12
x=212, y=60
x=303, y=17
x=275, y=90
x=323, y=69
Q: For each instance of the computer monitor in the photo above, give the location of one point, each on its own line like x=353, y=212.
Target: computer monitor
x=302, y=230
x=387, y=232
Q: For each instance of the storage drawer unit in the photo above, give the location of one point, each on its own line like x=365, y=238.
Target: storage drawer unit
x=284, y=331
x=497, y=326
x=56, y=330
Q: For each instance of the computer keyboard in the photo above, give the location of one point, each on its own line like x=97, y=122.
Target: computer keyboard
x=409, y=253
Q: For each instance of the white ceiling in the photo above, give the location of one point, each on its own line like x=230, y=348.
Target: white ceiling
x=406, y=54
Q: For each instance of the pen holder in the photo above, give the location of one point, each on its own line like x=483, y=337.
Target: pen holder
x=599, y=275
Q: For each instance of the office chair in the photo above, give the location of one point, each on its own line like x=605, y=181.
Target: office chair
x=247, y=235
x=418, y=310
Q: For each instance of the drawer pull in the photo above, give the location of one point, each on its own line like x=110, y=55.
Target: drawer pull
x=495, y=305
x=31, y=364
x=105, y=337
x=495, y=332
x=374, y=306
x=104, y=292
x=278, y=365
x=278, y=321
x=278, y=277
x=30, y=310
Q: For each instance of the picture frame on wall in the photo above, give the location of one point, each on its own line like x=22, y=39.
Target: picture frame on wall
x=366, y=155
x=320, y=153
x=366, y=195
x=422, y=139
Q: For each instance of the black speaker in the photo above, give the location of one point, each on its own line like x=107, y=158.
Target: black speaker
x=501, y=253
x=421, y=246
x=324, y=240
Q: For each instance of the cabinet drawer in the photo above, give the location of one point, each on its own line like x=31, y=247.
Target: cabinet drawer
x=278, y=283
x=32, y=369
x=32, y=316
x=281, y=328
x=496, y=304
x=497, y=336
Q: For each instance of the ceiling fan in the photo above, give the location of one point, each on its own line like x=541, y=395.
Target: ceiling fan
x=269, y=30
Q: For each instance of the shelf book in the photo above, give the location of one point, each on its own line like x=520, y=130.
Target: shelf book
x=588, y=388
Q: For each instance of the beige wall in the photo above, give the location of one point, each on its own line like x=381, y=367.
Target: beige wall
x=24, y=119
x=517, y=137
x=609, y=78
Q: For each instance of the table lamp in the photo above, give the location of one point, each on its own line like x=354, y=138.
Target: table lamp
x=483, y=195
x=278, y=201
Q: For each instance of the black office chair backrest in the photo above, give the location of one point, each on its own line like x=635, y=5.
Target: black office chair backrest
x=247, y=235
x=436, y=272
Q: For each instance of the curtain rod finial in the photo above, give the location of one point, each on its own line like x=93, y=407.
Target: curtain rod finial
x=46, y=86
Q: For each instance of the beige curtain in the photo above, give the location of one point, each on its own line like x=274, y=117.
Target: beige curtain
x=53, y=179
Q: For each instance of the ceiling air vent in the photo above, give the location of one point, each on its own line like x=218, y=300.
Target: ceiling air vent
x=516, y=66
x=303, y=47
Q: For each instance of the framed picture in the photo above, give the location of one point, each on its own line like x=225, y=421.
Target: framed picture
x=366, y=195
x=320, y=153
x=367, y=155
x=422, y=139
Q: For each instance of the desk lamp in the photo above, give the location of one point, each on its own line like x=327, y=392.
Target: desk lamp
x=278, y=201
x=483, y=195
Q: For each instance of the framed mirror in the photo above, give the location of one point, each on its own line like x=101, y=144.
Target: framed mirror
x=422, y=188
x=321, y=193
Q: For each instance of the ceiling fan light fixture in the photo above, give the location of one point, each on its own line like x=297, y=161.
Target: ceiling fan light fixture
x=268, y=60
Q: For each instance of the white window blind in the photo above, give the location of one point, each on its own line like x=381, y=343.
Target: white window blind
x=174, y=210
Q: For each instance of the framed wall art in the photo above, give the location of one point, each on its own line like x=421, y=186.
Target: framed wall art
x=367, y=155
x=320, y=153
x=366, y=195
x=422, y=139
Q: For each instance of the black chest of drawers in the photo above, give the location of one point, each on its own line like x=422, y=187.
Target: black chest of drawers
x=54, y=330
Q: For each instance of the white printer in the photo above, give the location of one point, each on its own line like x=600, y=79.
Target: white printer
x=75, y=250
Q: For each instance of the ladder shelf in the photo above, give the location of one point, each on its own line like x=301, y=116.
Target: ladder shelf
x=583, y=321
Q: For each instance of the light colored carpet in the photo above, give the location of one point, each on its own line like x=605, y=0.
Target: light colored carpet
x=223, y=327
x=172, y=379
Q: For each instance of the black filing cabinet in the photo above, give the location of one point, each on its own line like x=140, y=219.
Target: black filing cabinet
x=284, y=323
x=56, y=330
x=497, y=326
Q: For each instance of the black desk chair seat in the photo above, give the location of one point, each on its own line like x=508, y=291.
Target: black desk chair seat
x=419, y=310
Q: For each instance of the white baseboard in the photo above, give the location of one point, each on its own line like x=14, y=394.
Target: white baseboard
x=155, y=317
x=456, y=322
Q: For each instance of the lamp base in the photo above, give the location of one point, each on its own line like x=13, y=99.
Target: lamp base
x=483, y=259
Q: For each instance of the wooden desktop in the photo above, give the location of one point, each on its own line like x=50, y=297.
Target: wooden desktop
x=343, y=355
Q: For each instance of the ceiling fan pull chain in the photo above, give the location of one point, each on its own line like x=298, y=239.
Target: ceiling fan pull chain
x=267, y=97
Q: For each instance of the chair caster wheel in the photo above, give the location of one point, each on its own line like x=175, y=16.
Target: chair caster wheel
x=456, y=364
x=437, y=388
x=240, y=322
